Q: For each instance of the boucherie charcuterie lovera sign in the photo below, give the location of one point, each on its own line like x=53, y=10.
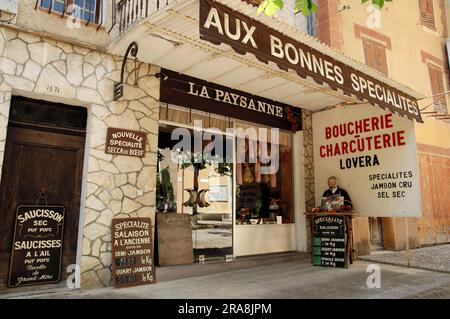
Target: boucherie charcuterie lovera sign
x=373, y=155
x=220, y=24
x=37, y=245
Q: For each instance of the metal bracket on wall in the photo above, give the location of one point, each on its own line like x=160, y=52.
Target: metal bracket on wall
x=118, y=86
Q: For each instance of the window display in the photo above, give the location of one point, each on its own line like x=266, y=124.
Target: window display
x=247, y=178
x=261, y=197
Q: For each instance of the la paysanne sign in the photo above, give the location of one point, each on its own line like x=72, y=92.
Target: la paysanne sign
x=220, y=24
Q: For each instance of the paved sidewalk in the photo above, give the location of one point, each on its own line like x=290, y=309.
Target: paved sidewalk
x=287, y=280
x=436, y=258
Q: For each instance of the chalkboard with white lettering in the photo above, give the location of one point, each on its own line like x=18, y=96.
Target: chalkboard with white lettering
x=132, y=252
x=37, y=246
x=329, y=241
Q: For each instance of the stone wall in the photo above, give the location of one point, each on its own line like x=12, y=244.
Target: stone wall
x=309, y=169
x=115, y=186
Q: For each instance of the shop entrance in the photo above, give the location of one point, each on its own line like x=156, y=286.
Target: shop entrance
x=43, y=154
x=376, y=234
x=201, y=189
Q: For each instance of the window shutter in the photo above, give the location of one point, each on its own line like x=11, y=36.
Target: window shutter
x=375, y=55
x=437, y=87
x=380, y=58
x=427, y=14
x=254, y=2
x=369, y=53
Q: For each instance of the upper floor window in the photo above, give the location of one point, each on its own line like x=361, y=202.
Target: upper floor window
x=86, y=10
x=438, y=88
x=375, y=55
x=427, y=14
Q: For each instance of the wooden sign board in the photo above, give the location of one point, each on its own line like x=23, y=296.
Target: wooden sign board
x=125, y=142
x=37, y=246
x=175, y=245
x=269, y=44
x=329, y=241
x=132, y=252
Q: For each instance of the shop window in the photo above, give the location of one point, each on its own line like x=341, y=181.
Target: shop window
x=261, y=198
x=427, y=14
x=375, y=55
x=86, y=10
x=437, y=88
x=195, y=180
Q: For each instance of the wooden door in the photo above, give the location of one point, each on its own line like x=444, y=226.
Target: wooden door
x=41, y=161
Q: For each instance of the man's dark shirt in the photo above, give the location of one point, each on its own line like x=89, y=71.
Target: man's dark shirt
x=340, y=192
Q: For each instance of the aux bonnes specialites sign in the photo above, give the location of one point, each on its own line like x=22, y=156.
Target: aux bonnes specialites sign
x=125, y=142
x=329, y=241
x=132, y=260
x=373, y=154
x=221, y=24
x=37, y=246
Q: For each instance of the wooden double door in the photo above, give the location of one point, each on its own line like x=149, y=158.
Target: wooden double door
x=40, y=158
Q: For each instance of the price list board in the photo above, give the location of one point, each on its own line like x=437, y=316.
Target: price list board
x=329, y=241
x=132, y=252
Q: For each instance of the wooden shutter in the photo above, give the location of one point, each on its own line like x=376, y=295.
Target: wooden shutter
x=254, y=2
x=427, y=14
x=437, y=87
x=375, y=55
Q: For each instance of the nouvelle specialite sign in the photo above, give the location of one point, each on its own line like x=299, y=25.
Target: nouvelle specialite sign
x=125, y=142
x=220, y=24
x=37, y=246
x=330, y=241
x=132, y=249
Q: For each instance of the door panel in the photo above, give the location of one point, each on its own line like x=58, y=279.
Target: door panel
x=41, y=161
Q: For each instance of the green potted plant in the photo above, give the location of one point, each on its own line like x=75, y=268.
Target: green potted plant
x=164, y=192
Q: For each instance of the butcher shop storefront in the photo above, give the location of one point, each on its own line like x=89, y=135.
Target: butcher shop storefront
x=220, y=138
x=233, y=71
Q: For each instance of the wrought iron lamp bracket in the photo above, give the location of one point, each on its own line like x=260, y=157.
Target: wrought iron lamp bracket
x=118, y=86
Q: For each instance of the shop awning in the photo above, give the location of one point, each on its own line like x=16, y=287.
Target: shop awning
x=227, y=43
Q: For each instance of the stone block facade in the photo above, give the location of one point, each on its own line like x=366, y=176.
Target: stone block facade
x=309, y=171
x=113, y=186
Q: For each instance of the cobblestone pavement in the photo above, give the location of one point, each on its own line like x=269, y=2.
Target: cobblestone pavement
x=436, y=258
x=287, y=280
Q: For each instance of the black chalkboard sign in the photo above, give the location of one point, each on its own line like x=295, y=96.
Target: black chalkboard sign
x=132, y=252
x=37, y=246
x=330, y=241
